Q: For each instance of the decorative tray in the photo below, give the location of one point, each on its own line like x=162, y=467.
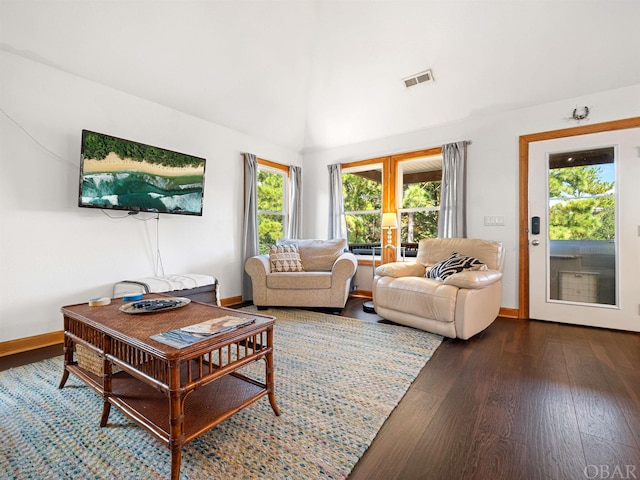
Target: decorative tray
x=154, y=305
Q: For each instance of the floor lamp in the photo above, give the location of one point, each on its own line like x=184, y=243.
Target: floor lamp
x=389, y=222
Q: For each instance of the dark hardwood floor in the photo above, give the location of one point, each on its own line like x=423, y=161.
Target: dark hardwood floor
x=521, y=400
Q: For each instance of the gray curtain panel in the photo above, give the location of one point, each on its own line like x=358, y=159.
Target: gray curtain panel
x=452, y=222
x=337, y=221
x=250, y=221
x=294, y=228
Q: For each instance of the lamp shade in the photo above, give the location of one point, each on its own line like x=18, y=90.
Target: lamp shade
x=389, y=220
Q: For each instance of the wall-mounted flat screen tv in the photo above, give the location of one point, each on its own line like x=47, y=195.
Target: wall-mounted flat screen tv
x=125, y=175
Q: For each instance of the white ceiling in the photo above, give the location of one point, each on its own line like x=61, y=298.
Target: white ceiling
x=309, y=74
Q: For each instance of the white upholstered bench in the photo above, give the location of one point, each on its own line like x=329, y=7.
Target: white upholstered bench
x=201, y=288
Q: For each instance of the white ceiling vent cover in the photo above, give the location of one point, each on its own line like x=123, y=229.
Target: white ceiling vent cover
x=418, y=78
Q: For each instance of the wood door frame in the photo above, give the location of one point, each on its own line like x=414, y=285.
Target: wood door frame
x=525, y=140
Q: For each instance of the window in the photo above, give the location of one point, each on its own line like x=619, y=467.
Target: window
x=407, y=184
x=362, y=189
x=273, y=208
x=582, y=226
x=419, y=201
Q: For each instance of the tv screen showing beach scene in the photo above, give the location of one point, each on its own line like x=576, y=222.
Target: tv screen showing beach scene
x=125, y=175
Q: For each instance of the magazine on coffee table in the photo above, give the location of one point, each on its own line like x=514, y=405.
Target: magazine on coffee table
x=218, y=325
x=185, y=336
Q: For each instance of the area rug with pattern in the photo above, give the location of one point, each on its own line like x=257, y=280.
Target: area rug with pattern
x=337, y=380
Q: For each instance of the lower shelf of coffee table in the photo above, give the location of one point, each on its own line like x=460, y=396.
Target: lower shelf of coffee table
x=205, y=407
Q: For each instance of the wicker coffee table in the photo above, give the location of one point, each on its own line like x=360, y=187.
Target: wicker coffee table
x=175, y=394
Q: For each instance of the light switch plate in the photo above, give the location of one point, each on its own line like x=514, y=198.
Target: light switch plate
x=494, y=220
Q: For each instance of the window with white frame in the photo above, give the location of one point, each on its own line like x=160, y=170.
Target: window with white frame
x=419, y=182
x=362, y=189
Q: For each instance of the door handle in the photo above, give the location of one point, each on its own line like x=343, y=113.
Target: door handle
x=535, y=243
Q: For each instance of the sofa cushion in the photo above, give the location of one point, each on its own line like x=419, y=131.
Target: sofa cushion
x=317, y=255
x=454, y=264
x=299, y=281
x=433, y=250
x=418, y=296
x=284, y=258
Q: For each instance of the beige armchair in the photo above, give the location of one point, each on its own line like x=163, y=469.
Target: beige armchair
x=316, y=273
x=463, y=298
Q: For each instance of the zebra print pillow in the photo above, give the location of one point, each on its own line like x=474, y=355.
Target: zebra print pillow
x=454, y=264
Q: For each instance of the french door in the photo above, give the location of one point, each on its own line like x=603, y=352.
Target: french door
x=584, y=230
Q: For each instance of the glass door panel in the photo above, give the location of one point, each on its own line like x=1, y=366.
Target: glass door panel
x=582, y=226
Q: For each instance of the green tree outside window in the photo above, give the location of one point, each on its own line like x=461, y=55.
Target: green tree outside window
x=416, y=225
x=271, y=214
x=361, y=196
x=582, y=204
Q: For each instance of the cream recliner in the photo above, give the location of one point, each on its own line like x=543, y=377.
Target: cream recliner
x=460, y=305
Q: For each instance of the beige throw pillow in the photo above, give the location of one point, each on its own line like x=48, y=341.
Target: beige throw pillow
x=284, y=258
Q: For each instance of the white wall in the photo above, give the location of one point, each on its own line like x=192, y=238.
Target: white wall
x=53, y=253
x=492, y=165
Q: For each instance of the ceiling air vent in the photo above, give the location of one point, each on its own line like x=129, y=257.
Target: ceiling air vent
x=418, y=78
